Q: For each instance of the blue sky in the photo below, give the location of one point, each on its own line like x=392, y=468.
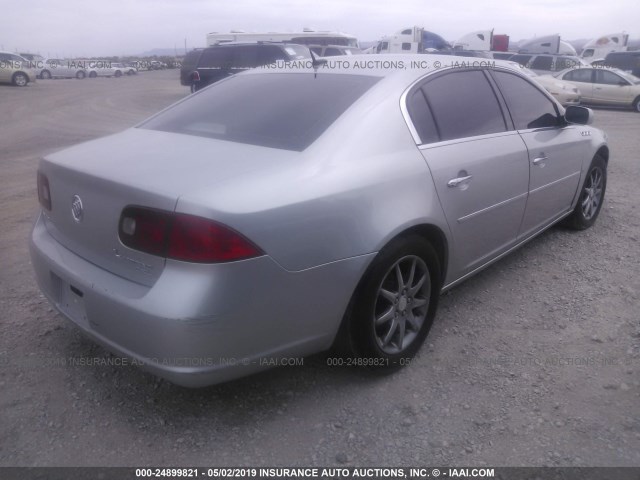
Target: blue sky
x=85, y=28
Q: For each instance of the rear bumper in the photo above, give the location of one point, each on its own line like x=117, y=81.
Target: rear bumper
x=200, y=324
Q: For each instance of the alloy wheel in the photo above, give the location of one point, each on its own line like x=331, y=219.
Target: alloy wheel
x=401, y=305
x=592, y=193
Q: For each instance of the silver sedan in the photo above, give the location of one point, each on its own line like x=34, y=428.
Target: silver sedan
x=293, y=208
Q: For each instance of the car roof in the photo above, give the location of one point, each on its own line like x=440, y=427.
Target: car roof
x=254, y=42
x=591, y=67
x=406, y=66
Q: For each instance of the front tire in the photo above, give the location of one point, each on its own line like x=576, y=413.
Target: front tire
x=20, y=79
x=80, y=75
x=93, y=75
x=45, y=75
x=395, y=304
x=592, y=193
x=636, y=104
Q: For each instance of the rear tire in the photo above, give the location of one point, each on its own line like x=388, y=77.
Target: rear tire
x=118, y=74
x=591, y=197
x=45, y=75
x=93, y=75
x=394, y=305
x=19, y=79
x=80, y=75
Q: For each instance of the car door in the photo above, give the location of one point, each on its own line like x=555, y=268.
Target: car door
x=6, y=68
x=611, y=89
x=57, y=68
x=555, y=149
x=480, y=169
x=583, y=79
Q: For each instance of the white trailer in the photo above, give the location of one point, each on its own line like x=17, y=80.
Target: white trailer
x=306, y=37
x=599, y=47
x=410, y=40
x=548, y=44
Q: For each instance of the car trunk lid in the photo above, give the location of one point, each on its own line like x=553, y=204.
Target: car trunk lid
x=90, y=185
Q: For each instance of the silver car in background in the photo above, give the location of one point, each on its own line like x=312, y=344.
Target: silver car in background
x=58, y=68
x=283, y=211
x=99, y=68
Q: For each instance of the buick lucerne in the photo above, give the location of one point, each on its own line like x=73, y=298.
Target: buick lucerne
x=283, y=211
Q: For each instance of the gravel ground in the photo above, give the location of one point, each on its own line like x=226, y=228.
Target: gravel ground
x=535, y=361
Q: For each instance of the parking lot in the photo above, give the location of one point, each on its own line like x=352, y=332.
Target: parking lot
x=535, y=361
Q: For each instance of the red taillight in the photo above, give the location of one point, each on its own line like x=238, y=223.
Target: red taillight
x=183, y=237
x=195, y=76
x=44, y=193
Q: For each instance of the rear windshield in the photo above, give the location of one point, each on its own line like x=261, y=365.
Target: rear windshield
x=279, y=110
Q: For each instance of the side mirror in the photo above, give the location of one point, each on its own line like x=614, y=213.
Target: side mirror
x=622, y=83
x=578, y=115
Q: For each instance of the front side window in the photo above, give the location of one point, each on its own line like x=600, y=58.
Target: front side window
x=607, y=78
x=277, y=110
x=528, y=106
x=406, y=46
x=464, y=105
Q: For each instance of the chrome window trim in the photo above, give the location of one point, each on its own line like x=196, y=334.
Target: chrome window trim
x=414, y=132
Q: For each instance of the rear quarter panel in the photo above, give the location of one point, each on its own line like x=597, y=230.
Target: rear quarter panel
x=359, y=185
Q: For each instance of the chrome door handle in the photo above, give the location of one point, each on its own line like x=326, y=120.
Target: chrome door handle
x=538, y=160
x=454, y=182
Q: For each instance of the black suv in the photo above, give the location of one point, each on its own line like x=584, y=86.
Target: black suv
x=627, y=61
x=202, y=67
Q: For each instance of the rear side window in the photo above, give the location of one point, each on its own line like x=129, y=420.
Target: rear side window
x=528, y=106
x=421, y=117
x=217, y=57
x=562, y=63
x=521, y=59
x=270, y=54
x=245, y=56
x=542, y=63
x=296, y=52
x=623, y=60
x=464, y=105
x=191, y=59
x=582, y=75
x=279, y=110
x=332, y=52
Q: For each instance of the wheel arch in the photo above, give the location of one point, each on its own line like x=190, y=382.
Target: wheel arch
x=433, y=234
x=436, y=237
x=603, y=151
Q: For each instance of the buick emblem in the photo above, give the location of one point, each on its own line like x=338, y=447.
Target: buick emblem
x=76, y=208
